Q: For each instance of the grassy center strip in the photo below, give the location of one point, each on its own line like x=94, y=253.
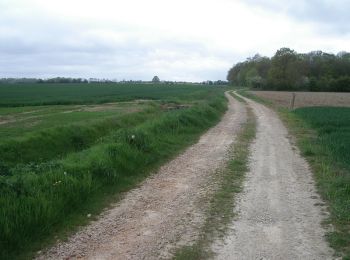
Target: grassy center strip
x=322, y=145
x=220, y=213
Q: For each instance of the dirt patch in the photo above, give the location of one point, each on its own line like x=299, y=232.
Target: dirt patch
x=11, y=119
x=107, y=107
x=6, y=120
x=277, y=213
x=306, y=99
x=169, y=107
x=165, y=211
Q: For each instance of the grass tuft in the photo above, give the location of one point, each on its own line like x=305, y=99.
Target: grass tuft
x=323, y=137
x=42, y=199
x=220, y=213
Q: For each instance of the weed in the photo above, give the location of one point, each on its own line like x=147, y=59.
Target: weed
x=322, y=135
x=44, y=197
x=220, y=212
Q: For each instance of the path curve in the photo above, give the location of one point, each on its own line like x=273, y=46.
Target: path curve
x=278, y=216
x=165, y=211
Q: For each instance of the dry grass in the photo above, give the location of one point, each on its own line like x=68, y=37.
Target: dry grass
x=306, y=99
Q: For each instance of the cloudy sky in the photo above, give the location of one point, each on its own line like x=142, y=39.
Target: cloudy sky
x=191, y=40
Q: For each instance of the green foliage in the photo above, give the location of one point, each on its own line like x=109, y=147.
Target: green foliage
x=155, y=79
x=329, y=154
x=333, y=128
x=37, y=198
x=288, y=70
x=92, y=93
x=62, y=140
x=220, y=212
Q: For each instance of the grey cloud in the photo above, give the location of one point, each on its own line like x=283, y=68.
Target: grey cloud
x=332, y=16
x=97, y=57
x=39, y=44
x=36, y=45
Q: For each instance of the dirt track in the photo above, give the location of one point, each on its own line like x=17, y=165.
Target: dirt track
x=277, y=213
x=278, y=216
x=166, y=210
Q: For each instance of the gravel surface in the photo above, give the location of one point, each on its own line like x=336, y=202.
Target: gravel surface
x=165, y=211
x=278, y=212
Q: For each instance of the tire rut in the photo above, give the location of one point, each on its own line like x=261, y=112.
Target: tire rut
x=277, y=213
x=164, y=211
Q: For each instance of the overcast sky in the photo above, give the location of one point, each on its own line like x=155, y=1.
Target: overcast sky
x=190, y=40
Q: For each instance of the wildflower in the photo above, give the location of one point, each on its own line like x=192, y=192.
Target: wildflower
x=65, y=173
x=88, y=215
x=133, y=137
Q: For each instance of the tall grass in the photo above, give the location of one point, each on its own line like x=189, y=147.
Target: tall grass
x=220, y=213
x=56, y=142
x=329, y=154
x=36, y=199
x=323, y=136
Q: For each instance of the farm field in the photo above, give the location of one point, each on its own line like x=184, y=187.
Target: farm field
x=94, y=93
x=61, y=162
x=18, y=121
x=305, y=99
x=167, y=130
x=329, y=154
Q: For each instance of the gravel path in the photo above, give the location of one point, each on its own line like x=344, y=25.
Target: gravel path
x=278, y=216
x=165, y=211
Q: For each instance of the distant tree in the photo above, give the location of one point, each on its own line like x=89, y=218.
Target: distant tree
x=285, y=72
x=155, y=79
x=289, y=70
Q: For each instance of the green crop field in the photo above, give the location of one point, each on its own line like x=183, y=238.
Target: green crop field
x=333, y=128
x=59, y=163
x=56, y=94
x=328, y=150
x=19, y=121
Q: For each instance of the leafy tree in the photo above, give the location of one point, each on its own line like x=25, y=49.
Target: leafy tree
x=155, y=79
x=288, y=70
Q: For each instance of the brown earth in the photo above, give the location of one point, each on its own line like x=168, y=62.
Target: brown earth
x=278, y=212
x=305, y=99
x=279, y=216
x=167, y=209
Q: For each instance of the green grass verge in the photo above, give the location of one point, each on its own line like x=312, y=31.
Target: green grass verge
x=323, y=137
x=220, y=213
x=40, y=200
x=56, y=142
x=18, y=121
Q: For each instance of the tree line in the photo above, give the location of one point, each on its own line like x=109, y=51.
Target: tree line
x=289, y=70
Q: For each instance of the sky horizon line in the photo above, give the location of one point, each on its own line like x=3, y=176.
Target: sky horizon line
x=184, y=40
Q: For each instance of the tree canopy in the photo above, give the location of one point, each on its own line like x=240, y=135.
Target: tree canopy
x=289, y=70
x=155, y=79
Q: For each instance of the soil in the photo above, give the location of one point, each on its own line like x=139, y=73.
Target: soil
x=306, y=99
x=278, y=216
x=278, y=213
x=166, y=211
x=6, y=120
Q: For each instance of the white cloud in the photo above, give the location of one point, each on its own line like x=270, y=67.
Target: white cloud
x=136, y=39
